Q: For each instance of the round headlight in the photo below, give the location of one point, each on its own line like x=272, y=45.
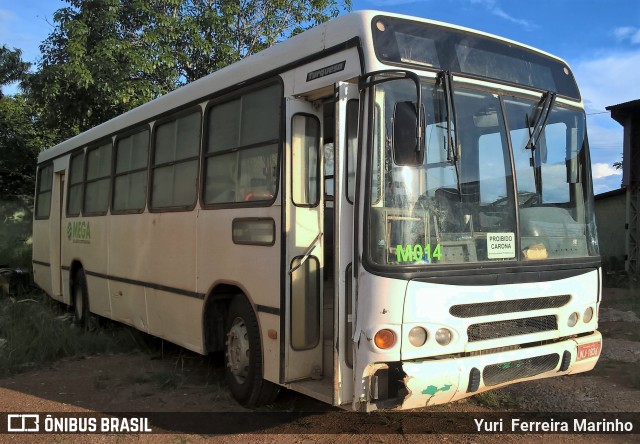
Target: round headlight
x=588, y=315
x=417, y=336
x=573, y=319
x=385, y=339
x=443, y=336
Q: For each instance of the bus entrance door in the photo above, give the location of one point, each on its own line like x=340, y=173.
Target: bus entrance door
x=346, y=150
x=303, y=345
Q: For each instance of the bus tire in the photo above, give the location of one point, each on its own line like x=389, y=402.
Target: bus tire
x=81, y=301
x=243, y=357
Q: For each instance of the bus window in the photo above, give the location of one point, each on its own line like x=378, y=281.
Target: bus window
x=175, y=164
x=305, y=145
x=352, y=147
x=242, y=148
x=74, y=198
x=130, y=182
x=45, y=181
x=96, y=194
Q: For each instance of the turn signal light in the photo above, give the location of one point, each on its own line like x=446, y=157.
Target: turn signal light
x=385, y=339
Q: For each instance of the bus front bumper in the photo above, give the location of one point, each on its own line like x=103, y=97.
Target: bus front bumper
x=439, y=381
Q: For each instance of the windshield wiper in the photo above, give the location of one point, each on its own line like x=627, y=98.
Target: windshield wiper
x=545, y=105
x=453, y=147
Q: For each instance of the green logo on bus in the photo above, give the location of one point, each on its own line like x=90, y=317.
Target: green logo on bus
x=416, y=253
x=79, y=232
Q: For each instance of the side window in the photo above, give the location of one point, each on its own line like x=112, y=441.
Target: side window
x=130, y=180
x=175, y=162
x=305, y=146
x=43, y=198
x=96, y=194
x=76, y=178
x=242, y=148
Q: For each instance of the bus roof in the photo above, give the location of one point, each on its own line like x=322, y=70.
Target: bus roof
x=313, y=41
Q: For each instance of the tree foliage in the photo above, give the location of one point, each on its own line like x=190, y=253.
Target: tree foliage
x=12, y=67
x=105, y=57
x=20, y=141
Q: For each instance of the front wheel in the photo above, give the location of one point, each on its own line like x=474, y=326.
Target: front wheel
x=243, y=357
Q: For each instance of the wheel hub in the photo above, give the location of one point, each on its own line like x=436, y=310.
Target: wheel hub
x=79, y=304
x=238, y=350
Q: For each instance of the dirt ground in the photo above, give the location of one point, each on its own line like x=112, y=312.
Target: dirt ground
x=179, y=381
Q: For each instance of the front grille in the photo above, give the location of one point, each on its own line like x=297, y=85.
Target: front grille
x=523, y=368
x=511, y=306
x=511, y=327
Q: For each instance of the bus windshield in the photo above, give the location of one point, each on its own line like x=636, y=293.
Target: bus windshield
x=430, y=46
x=459, y=209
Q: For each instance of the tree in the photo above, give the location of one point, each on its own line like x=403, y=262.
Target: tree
x=20, y=141
x=105, y=57
x=618, y=165
x=12, y=67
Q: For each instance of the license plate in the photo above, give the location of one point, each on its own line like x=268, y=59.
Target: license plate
x=590, y=350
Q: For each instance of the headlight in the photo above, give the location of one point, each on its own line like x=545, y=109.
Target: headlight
x=573, y=319
x=417, y=336
x=443, y=336
x=588, y=315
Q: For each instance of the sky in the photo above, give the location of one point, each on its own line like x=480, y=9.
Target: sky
x=599, y=39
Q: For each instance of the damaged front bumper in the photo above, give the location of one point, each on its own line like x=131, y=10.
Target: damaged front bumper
x=414, y=384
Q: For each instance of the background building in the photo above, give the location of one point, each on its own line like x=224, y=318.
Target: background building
x=611, y=207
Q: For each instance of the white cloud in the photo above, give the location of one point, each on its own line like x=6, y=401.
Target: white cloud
x=6, y=16
x=494, y=8
x=600, y=170
x=627, y=32
x=605, y=184
x=608, y=78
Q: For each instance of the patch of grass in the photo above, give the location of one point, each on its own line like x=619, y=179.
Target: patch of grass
x=167, y=380
x=36, y=330
x=493, y=399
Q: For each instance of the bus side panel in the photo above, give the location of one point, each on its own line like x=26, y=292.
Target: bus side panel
x=255, y=269
x=175, y=318
x=85, y=239
x=128, y=255
x=163, y=255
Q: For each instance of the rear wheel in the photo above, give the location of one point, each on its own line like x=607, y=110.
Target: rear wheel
x=243, y=357
x=81, y=301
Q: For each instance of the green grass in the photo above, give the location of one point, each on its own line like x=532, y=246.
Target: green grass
x=35, y=331
x=493, y=399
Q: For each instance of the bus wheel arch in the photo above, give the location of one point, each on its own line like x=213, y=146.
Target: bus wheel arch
x=243, y=356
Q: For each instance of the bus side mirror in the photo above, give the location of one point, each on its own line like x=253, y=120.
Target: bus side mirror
x=406, y=151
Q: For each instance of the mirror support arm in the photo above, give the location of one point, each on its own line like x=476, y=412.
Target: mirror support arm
x=367, y=80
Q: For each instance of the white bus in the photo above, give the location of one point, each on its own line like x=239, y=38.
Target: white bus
x=380, y=212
